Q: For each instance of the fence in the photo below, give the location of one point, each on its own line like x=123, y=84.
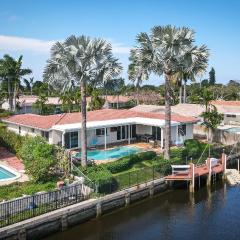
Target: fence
x=30, y=206
x=134, y=178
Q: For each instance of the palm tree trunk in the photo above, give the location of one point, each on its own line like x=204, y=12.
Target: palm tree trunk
x=180, y=94
x=84, y=123
x=185, y=91
x=167, y=117
x=137, y=94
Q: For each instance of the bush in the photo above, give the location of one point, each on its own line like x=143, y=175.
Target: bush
x=5, y=113
x=119, y=165
x=147, y=155
x=194, y=148
x=10, y=140
x=102, y=177
x=38, y=158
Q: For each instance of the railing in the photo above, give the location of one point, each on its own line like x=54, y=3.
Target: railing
x=131, y=179
x=30, y=206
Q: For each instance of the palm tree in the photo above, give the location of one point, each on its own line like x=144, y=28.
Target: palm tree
x=166, y=51
x=137, y=72
x=80, y=61
x=11, y=72
x=29, y=84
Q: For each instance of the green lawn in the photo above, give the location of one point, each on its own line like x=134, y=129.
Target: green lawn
x=18, y=189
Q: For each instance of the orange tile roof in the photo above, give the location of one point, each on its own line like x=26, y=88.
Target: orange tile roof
x=226, y=103
x=46, y=122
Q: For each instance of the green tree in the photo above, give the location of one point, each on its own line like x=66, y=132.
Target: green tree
x=212, y=78
x=11, y=73
x=80, y=61
x=38, y=158
x=166, y=51
x=97, y=101
x=211, y=120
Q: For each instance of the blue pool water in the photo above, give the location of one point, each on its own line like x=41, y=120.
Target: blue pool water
x=5, y=174
x=234, y=130
x=117, y=152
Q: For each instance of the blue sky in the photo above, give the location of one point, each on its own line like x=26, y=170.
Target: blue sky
x=30, y=27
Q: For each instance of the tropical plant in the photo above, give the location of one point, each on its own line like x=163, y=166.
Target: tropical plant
x=29, y=85
x=38, y=158
x=211, y=120
x=11, y=73
x=137, y=72
x=79, y=61
x=167, y=51
x=212, y=78
x=97, y=101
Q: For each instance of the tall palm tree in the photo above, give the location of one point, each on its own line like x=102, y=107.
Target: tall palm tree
x=166, y=51
x=137, y=72
x=79, y=61
x=11, y=73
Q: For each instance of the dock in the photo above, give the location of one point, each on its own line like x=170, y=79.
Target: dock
x=210, y=168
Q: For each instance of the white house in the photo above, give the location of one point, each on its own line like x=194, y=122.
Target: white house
x=104, y=127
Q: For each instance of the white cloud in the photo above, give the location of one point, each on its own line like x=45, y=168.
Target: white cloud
x=13, y=43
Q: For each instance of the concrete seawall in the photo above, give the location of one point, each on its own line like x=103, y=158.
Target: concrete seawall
x=61, y=219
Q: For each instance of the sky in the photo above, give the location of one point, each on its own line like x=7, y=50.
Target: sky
x=30, y=28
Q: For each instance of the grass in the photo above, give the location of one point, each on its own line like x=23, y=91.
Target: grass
x=27, y=188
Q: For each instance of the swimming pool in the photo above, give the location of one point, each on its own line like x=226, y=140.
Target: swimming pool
x=233, y=130
x=112, y=153
x=6, y=174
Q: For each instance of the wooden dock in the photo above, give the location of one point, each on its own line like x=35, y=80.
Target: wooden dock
x=208, y=169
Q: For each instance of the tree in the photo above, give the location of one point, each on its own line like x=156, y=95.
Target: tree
x=137, y=72
x=211, y=120
x=29, y=85
x=167, y=51
x=80, y=61
x=212, y=78
x=41, y=104
x=38, y=158
x=11, y=73
x=97, y=101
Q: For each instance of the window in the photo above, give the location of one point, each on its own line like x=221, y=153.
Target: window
x=19, y=130
x=182, y=130
x=32, y=130
x=100, y=132
x=231, y=115
x=113, y=129
x=71, y=140
x=45, y=135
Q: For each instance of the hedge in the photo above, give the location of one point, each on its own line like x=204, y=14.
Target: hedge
x=127, y=162
x=10, y=140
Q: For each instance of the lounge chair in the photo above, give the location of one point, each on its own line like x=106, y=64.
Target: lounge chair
x=93, y=143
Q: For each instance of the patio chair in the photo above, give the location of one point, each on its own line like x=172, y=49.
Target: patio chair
x=93, y=143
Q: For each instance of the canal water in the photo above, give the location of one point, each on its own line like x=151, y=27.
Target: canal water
x=210, y=214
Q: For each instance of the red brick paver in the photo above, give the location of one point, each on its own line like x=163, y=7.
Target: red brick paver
x=11, y=159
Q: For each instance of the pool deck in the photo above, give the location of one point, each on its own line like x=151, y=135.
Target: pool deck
x=11, y=161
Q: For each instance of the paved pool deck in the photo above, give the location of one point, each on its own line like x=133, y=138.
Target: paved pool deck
x=13, y=162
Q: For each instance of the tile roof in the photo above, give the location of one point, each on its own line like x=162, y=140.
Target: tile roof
x=46, y=122
x=226, y=103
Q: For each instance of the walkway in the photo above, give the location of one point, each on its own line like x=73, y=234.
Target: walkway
x=11, y=160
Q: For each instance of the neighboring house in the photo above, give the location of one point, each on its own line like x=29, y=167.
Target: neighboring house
x=104, y=127
x=117, y=102
x=25, y=103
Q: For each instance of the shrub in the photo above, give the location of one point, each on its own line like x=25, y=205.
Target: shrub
x=119, y=165
x=194, y=148
x=102, y=178
x=5, y=113
x=10, y=140
x=38, y=158
x=147, y=155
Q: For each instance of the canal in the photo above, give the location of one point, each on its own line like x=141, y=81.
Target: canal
x=210, y=214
